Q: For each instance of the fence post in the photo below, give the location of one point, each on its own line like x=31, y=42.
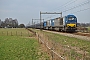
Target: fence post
x=11, y=33
x=7, y=33
x=38, y=38
x=21, y=33
x=28, y=34
x=16, y=33
x=2, y=32
x=52, y=51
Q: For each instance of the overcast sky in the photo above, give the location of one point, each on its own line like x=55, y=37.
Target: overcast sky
x=25, y=10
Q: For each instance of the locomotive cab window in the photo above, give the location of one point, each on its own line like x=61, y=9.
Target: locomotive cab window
x=70, y=18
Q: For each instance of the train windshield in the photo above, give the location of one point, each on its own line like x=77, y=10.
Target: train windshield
x=70, y=18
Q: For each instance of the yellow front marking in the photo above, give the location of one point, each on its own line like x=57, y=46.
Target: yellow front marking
x=71, y=25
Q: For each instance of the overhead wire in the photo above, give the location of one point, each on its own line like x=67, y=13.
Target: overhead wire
x=82, y=10
x=64, y=5
x=87, y=2
x=77, y=6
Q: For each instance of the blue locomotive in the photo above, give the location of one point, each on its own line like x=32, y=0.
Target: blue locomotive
x=67, y=23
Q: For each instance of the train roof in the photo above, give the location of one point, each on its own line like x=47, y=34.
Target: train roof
x=71, y=16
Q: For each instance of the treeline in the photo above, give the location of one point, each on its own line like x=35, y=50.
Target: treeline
x=10, y=23
x=83, y=24
x=12, y=26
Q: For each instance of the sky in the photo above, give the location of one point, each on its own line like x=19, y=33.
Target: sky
x=26, y=10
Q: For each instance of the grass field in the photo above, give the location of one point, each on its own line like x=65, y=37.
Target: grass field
x=14, y=46
x=74, y=44
x=72, y=47
x=89, y=29
x=14, y=32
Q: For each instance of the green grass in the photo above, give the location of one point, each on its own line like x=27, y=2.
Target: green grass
x=16, y=48
x=89, y=29
x=19, y=47
x=14, y=32
x=64, y=40
x=69, y=41
x=73, y=42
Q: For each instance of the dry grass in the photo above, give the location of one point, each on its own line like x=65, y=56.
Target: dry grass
x=70, y=48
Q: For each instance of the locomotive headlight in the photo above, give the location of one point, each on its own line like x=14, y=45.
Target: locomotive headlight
x=67, y=25
x=75, y=25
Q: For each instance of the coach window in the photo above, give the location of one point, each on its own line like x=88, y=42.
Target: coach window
x=53, y=20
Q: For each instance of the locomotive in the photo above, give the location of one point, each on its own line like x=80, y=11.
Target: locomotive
x=66, y=24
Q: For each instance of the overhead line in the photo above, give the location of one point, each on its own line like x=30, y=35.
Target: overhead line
x=67, y=3
x=82, y=10
x=77, y=6
x=70, y=2
x=87, y=2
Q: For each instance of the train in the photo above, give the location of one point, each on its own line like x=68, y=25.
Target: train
x=66, y=24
